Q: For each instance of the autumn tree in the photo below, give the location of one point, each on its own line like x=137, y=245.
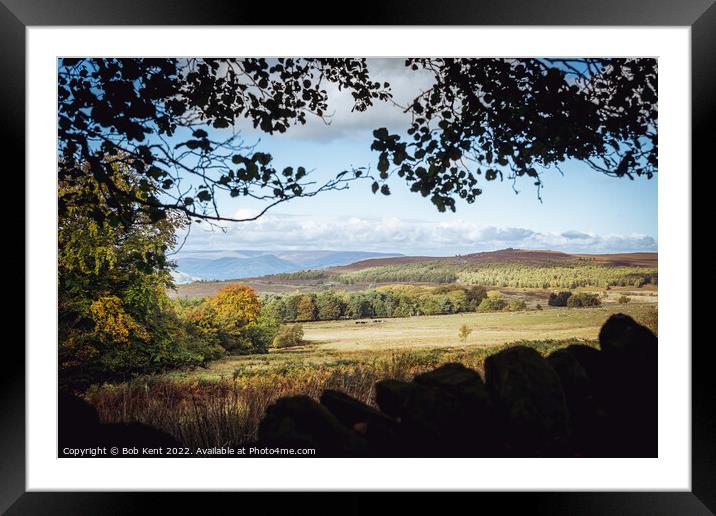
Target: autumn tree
x=235, y=311
x=114, y=317
x=306, y=309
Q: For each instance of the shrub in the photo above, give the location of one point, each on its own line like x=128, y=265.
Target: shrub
x=624, y=300
x=583, y=299
x=559, y=298
x=492, y=304
x=516, y=305
x=289, y=335
x=538, y=306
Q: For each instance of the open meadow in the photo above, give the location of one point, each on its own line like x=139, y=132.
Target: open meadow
x=224, y=401
x=341, y=342
x=489, y=329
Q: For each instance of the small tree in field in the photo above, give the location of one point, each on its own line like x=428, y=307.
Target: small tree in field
x=624, y=300
x=464, y=333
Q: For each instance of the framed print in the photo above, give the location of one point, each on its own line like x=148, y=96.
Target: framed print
x=451, y=250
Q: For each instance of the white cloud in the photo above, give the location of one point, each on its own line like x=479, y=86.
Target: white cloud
x=275, y=231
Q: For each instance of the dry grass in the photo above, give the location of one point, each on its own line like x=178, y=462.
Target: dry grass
x=227, y=411
x=224, y=403
x=489, y=329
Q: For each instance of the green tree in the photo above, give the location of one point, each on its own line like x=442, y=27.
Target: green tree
x=292, y=307
x=559, y=298
x=114, y=317
x=264, y=331
x=278, y=309
x=515, y=305
x=329, y=306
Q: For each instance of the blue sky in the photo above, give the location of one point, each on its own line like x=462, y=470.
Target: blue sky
x=582, y=211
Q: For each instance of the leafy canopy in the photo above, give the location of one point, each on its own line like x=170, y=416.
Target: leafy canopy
x=482, y=119
x=512, y=118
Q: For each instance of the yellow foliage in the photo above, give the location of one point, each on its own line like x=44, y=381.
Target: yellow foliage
x=112, y=323
x=235, y=306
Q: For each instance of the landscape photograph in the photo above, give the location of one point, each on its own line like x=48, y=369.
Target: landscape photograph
x=357, y=257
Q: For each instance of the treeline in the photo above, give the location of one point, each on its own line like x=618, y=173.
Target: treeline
x=425, y=272
x=387, y=301
x=306, y=274
x=573, y=275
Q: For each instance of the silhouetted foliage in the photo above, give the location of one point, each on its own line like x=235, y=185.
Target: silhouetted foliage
x=510, y=118
x=154, y=115
x=488, y=118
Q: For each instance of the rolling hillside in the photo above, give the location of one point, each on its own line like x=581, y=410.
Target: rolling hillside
x=503, y=256
x=505, y=268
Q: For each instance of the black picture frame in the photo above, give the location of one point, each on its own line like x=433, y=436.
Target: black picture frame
x=699, y=15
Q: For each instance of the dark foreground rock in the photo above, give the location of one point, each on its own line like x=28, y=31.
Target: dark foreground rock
x=79, y=428
x=579, y=401
x=530, y=404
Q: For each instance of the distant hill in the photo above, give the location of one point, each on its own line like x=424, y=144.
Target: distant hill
x=521, y=256
x=536, y=269
x=226, y=264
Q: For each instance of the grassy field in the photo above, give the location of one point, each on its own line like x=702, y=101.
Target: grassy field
x=340, y=342
x=224, y=402
x=489, y=329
